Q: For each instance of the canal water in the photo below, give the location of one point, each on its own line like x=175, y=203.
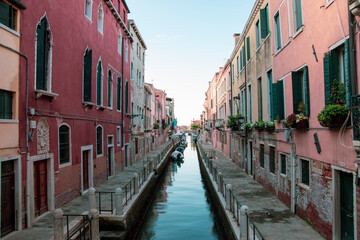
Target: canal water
x=181, y=208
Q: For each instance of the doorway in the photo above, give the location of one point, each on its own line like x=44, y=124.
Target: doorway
x=40, y=187
x=7, y=197
x=86, y=168
x=250, y=159
x=110, y=156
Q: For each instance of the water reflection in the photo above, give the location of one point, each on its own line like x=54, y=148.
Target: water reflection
x=181, y=209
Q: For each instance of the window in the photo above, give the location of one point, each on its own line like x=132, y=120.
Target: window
x=88, y=9
x=64, y=144
x=257, y=34
x=262, y=155
x=237, y=65
x=100, y=18
x=249, y=115
x=283, y=164
x=243, y=102
x=43, y=55
x=126, y=51
x=233, y=71
x=260, y=102
x=118, y=135
x=126, y=97
x=305, y=172
x=272, y=160
x=143, y=59
x=337, y=66
x=87, y=75
x=132, y=71
x=118, y=94
x=119, y=42
x=110, y=89
x=277, y=101
x=277, y=28
x=268, y=92
x=7, y=15
x=264, y=18
x=298, y=21
x=99, y=84
x=124, y=16
x=139, y=78
x=6, y=104
x=99, y=140
x=242, y=58
x=301, y=94
x=248, y=48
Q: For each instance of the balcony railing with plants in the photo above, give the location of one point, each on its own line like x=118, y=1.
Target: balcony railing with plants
x=234, y=122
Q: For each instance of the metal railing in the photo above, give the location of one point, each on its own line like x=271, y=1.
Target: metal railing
x=81, y=228
x=104, y=204
x=253, y=231
x=129, y=190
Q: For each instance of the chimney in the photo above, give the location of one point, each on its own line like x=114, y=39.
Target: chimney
x=236, y=37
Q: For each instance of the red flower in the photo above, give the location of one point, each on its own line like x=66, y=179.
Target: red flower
x=332, y=91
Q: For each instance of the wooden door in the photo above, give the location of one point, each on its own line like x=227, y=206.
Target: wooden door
x=85, y=169
x=40, y=187
x=347, y=206
x=109, y=162
x=250, y=158
x=7, y=198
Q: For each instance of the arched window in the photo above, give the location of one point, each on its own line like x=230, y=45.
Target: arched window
x=99, y=140
x=100, y=18
x=126, y=51
x=88, y=9
x=137, y=77
x=132, y=71
x=109, y=89
x=43, y=55
x=126, y=97
x=119, y=42
x=64, y=144
x=87, y=68
x=99, y=84
x=118, y=91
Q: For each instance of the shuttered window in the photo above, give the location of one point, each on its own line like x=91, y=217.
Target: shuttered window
x=109, y=96
x=126, y=98
x=260, y=101
x=248, y=48
x=277, y=101
x=99, y=84
x=277, y=31
x=64, y=144
x=118, y=94
x=300, y=89
x=99, y=140
x=262, y=155
x=264, y=19
x=257, y=33
x=283, y=163
x=272, y=160
x=42, y=54
x=305, y=172
x=298, y=15
x=87, y=76
x=7, y=15
x=6, y=104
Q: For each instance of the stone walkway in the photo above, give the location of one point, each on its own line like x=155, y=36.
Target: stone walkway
x=273, y=218
x=42, y=229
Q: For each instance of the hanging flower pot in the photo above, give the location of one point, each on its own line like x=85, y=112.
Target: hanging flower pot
x=332, y=116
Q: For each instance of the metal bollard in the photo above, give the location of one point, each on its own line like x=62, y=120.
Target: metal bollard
x=244, y=223
x=228, y=189
x=58, y=224
x=92, y=198
x=94, y=222
x=219, y=181
x=118, y=201
x=136, y=184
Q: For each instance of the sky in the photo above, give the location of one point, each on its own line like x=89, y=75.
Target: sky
x=187, y=41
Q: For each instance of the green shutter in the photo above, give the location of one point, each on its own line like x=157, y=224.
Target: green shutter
x=87, y=75
x=118, y=93
x=260, y=99
x=347, y=72
x=248, y=48
x=41, y=55
x=126, y=97
x=280, y=95
x=306, y=91
x=98, y=84
x=334, y=66
x=298, y=14
x=4, y=13
x=109, y=90
x=297, y=90
x=327, y=81
x=263, y=22
x=274, y=101
x=5, y=104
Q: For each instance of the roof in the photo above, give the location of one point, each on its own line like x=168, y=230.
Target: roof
x=126, y=6
x=137, y=32
x=17, y=4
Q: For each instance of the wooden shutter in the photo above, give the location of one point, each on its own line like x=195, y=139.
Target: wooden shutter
x=347, y=70
x=280, y=94
x=109, y=89
x=327, y=81
x=274, y=101
x=296, y=90
x=5, y=104
x=263, y=22
x=298, y=14
x=306, y=91
x=126, y=97
x=118, y=93
x=4, y=13
x=87, y=75
x=41, y=55
x=248, y=48
x=98, y=84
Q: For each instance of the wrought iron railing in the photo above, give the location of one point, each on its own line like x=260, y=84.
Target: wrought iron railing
x=355, y=103
x=77, y=226
x=103, y=200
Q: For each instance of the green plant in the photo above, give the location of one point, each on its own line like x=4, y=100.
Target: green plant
x=156, y=125
x=259, y=125
x=269, y=125
x=301, y=107
x=147, y=130
x=194, y=126
x=234, y=121
x=246, y=125
x=337, y=93
x=331, y=112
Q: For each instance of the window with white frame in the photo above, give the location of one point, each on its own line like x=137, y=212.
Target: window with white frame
x=118, y=135
x=110, y=89
x=277, y=28
x=99, y=84
x=100, y=24
x=257, y=33
x=272, y=159
x=64, y=144
x=119, y=42
x=88, y=9
x=297, y=15
x=99, y=140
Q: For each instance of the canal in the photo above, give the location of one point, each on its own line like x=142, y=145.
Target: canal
x=181, y=208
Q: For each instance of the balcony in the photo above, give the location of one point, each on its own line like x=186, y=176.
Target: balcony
x=219, y=123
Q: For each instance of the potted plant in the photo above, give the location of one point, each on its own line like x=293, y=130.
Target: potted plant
x=269, y=126
x=260, y=125
x=234, y=122
x=156, y=125
x=301, y=122
x=334, y=114
x=289, y=122
x=246, y=126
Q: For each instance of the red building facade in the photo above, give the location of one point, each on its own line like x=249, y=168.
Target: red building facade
x=75, y=131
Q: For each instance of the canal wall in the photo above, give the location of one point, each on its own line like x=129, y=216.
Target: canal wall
x=127, y=225
x=227, y=228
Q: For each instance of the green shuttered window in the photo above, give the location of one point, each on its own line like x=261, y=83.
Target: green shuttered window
x=87, y=76
x=264, y=21
x=99, y=140
x=118, y=94
x=109, y=90
x=99, y=84
x=248, y=48
x=42, y=54
x=301, y=91
x=6, y=104
x=277, y=101
x=298, y=15
x=7, y=15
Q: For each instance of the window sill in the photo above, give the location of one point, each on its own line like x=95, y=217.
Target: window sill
x=41, y=93
x=304, y=186
x=329, y=3
x=8, y=121
x=88, y=104
x=280, y=49
x=283, y=175
x=100, y=107
x=9, y=30
x=298, y=32
x=63, y=165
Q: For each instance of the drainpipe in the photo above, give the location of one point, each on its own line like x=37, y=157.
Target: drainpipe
x=293, y=173
x=26, y=94
x=352, y=52
x=246, y=107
